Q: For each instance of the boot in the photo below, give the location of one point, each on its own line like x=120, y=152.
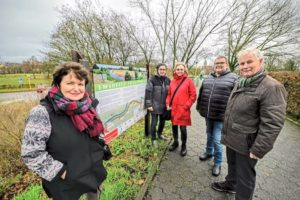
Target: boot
x=183, y=150
x=173, y=146
x=175, y=137
x=183, y=140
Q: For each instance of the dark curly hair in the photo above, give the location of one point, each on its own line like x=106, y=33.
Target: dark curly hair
x=64, y=69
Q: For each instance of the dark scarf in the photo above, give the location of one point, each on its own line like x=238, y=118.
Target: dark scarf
x=245, y=82
x=82, y=113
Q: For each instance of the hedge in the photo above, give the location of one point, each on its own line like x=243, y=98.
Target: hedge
x=291, y=82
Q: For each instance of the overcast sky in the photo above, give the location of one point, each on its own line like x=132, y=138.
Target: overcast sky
x=26, y=25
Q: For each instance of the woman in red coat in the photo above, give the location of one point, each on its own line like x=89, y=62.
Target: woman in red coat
x=181, y=105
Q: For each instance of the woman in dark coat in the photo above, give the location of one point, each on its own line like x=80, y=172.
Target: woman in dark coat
x=61, y=138
x=156, y=93
x=181, y=105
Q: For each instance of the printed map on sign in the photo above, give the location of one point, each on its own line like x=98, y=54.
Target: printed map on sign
x=121, y=103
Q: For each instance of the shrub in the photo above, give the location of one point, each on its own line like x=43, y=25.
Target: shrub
x=12, y=123
x=133, y=158
x=291, y=82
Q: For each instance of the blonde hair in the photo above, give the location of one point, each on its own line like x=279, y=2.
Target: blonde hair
x=183, y=64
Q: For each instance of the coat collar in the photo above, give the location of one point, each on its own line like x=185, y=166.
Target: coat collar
x=223, y=74
x=176, y=77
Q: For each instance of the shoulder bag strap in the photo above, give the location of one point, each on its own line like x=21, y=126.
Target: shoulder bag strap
x=176, y=91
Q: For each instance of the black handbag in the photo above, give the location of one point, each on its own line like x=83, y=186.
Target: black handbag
x=107, y=155
x=107, y=152
x=167, y=113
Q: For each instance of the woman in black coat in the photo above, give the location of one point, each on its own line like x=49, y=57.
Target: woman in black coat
x=156, y=93
x=61, y=138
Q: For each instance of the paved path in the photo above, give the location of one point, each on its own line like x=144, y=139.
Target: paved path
x=188, y=178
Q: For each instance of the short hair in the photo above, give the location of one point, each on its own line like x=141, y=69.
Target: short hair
x=218, y=57
x=161, y=64
x=256, y=52
x=64, y=69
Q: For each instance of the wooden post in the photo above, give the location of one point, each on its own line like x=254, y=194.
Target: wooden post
x=90, y=85
x=77, y=57
x=147, y=116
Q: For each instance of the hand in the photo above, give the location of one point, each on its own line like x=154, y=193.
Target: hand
x=150, y=109
x=63, y=176
x=253, y=156
x=169, y=108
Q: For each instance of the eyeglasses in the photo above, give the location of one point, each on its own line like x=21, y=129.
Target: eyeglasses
x=219, y=63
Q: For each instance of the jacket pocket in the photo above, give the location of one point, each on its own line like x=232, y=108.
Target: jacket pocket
x=183, y=114
x=244, y=129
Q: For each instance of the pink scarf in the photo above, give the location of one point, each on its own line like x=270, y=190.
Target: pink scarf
x=82, y=113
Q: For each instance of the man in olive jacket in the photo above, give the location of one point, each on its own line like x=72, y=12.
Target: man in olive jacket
x=254, y=116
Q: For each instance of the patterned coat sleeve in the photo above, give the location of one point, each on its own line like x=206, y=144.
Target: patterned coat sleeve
x=33, y=150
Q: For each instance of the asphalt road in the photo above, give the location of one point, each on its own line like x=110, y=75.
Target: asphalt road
x=188, y=178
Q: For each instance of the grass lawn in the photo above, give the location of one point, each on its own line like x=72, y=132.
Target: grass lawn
x=22, y=82
x=134, y=157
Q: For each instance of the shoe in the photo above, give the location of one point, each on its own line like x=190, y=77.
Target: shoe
x=183, y=151
x=154, y=143
x=162, y=137
x=216, y=170
x=223, y=187
x=205, y=156
x=173, y=146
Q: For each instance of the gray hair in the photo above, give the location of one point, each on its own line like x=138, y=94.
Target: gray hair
x=257, y=53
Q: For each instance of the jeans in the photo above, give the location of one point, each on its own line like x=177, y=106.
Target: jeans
x=213, y=145
x=241, y=174
x=161, y=125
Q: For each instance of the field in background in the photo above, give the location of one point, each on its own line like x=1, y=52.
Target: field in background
x=23, y=82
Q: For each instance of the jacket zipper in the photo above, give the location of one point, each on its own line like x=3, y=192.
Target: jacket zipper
x=161, y=93
x=210, y=97
x=232, y=96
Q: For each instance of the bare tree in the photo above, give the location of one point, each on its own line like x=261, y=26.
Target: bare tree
x=32, y=65
x=184, y=26
x=124, y=45
x=160, y=25
x=92, y=31
x=271, y=63
x=141, y=37
x=263, y=24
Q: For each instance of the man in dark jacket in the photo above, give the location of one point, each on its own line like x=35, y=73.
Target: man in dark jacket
x=254, y=117
x=212, y=100
x=156, y=93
